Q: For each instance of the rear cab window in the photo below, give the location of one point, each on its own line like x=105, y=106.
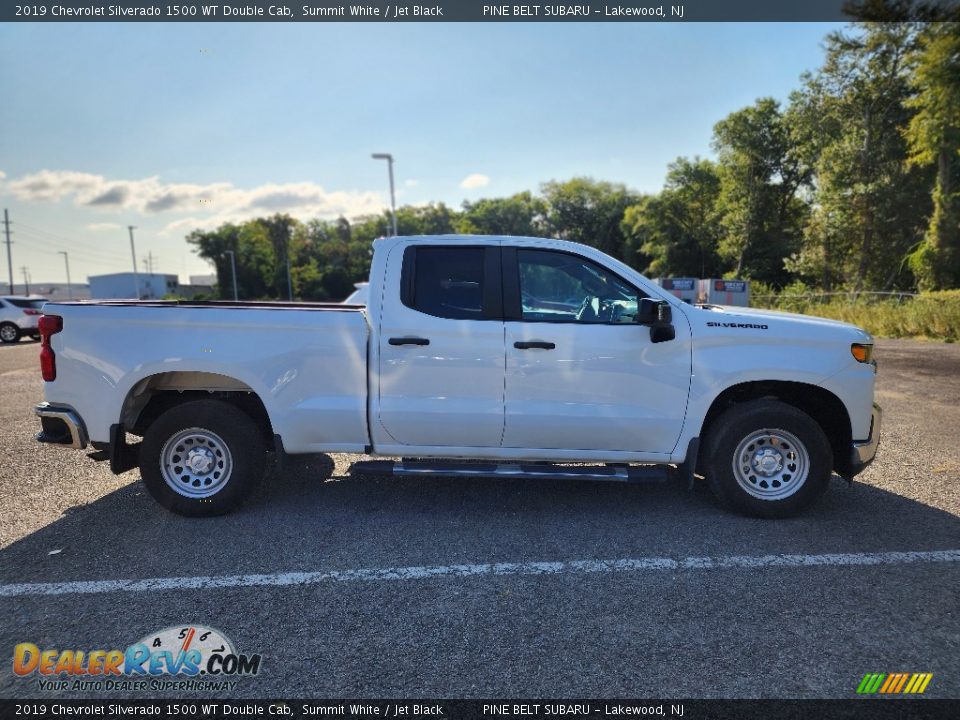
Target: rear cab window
x=456, y=282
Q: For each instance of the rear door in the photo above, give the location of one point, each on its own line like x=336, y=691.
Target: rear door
x=581, y=374
x=441, y=346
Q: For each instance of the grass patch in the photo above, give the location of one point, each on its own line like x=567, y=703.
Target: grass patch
x=934, y=315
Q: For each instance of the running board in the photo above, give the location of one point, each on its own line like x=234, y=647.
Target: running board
x=544, y=471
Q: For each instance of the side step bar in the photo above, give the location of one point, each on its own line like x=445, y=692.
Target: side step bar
x=544, y=471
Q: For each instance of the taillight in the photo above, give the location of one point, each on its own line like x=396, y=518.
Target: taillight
x=48, y=325
x=29, y=311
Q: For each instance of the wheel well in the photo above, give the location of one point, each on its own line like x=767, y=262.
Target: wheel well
x=153, y=396
x=827, y=410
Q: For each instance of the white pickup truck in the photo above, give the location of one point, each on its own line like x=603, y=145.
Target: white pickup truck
x=474, y=356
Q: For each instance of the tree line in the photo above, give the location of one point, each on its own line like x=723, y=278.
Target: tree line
x=852, y=183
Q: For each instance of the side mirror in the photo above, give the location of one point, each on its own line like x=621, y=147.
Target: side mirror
x=662, y=333
x=664, y=313
x=658, y=314
x=648, y=311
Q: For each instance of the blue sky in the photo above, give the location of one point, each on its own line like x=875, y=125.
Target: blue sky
x=170, y=127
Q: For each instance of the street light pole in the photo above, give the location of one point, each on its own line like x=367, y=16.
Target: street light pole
x=133, y=252
x=393, y=198
x=66, y=259
x=233, y=267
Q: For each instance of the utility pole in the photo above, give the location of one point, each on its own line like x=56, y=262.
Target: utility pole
x=6, y=226
x=133, y=252
x=286, y=253
x=148, y=263
x=393, y=198
x=233, y=268
x=66, y=259
x=289, y=282
x=26, y=282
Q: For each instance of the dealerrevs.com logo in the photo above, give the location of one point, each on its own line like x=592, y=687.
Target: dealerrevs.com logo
x=191, y=657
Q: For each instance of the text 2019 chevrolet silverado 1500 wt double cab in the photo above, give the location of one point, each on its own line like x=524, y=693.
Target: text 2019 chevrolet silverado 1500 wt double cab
x=524, y=355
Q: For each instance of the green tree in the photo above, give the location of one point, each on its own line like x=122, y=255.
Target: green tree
x=760, y=175
x=521, y=214
x=933, y=135
x=590, y=212
x=255, y=259
x=869, y=206
x=678, y=229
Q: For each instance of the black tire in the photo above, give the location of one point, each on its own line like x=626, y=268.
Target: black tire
x=243, y=456
x=9, y=333
x=739, y=423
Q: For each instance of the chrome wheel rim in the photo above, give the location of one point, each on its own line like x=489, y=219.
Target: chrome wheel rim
x=771, y=464
x=7, y=333
x=196, y=463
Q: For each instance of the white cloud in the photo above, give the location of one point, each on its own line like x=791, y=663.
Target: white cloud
x=215, y=202
x=474, y=180
x=103, y=226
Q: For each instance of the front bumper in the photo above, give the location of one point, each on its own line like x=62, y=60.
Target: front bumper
x=61, y=425
x=863, y=453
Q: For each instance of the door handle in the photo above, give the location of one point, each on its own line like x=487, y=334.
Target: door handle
x=408, y=341
x=538, y=344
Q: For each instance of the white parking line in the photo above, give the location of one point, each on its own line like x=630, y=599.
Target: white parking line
x=86, y=587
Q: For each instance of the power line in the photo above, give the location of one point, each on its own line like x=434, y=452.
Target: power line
x=39, y=244
x=73, y=242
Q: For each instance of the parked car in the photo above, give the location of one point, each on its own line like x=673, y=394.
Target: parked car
x=360, y=295
x=446, y=364
x=19, y=315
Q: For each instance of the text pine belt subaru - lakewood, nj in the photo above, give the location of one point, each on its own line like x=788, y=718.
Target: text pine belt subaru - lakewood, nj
x=530, y=358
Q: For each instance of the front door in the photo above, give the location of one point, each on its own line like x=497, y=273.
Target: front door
x=581, y=374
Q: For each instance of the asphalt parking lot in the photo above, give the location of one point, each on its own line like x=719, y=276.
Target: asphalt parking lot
x=454, y=588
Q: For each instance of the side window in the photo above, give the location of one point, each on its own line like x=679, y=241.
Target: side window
x=446, y=282
x=560, y=287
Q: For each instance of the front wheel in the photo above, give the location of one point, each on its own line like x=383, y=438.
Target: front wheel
x=202, y=458
x=767, y=459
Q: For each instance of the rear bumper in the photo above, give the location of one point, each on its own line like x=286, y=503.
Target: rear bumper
x=863, y=452
x=61, y=425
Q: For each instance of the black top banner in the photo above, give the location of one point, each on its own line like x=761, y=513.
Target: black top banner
x=454, y=11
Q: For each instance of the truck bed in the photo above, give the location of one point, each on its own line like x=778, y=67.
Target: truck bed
x=307, y=362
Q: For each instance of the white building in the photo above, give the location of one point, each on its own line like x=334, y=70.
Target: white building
x=117, y=286
x=209, y=280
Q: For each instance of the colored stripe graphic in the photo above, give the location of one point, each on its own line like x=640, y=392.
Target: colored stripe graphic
x=891, y=680
x=900, y=682
x=877, y=681
x=894, y=683
x=914, y=682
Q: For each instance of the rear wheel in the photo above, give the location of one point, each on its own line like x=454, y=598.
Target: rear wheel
x=202, y=458
x=767, y=459
x=9, y=333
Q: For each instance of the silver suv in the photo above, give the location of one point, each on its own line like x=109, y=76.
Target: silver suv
x=18, y=317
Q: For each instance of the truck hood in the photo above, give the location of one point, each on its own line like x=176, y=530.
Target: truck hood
x=811, y=323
